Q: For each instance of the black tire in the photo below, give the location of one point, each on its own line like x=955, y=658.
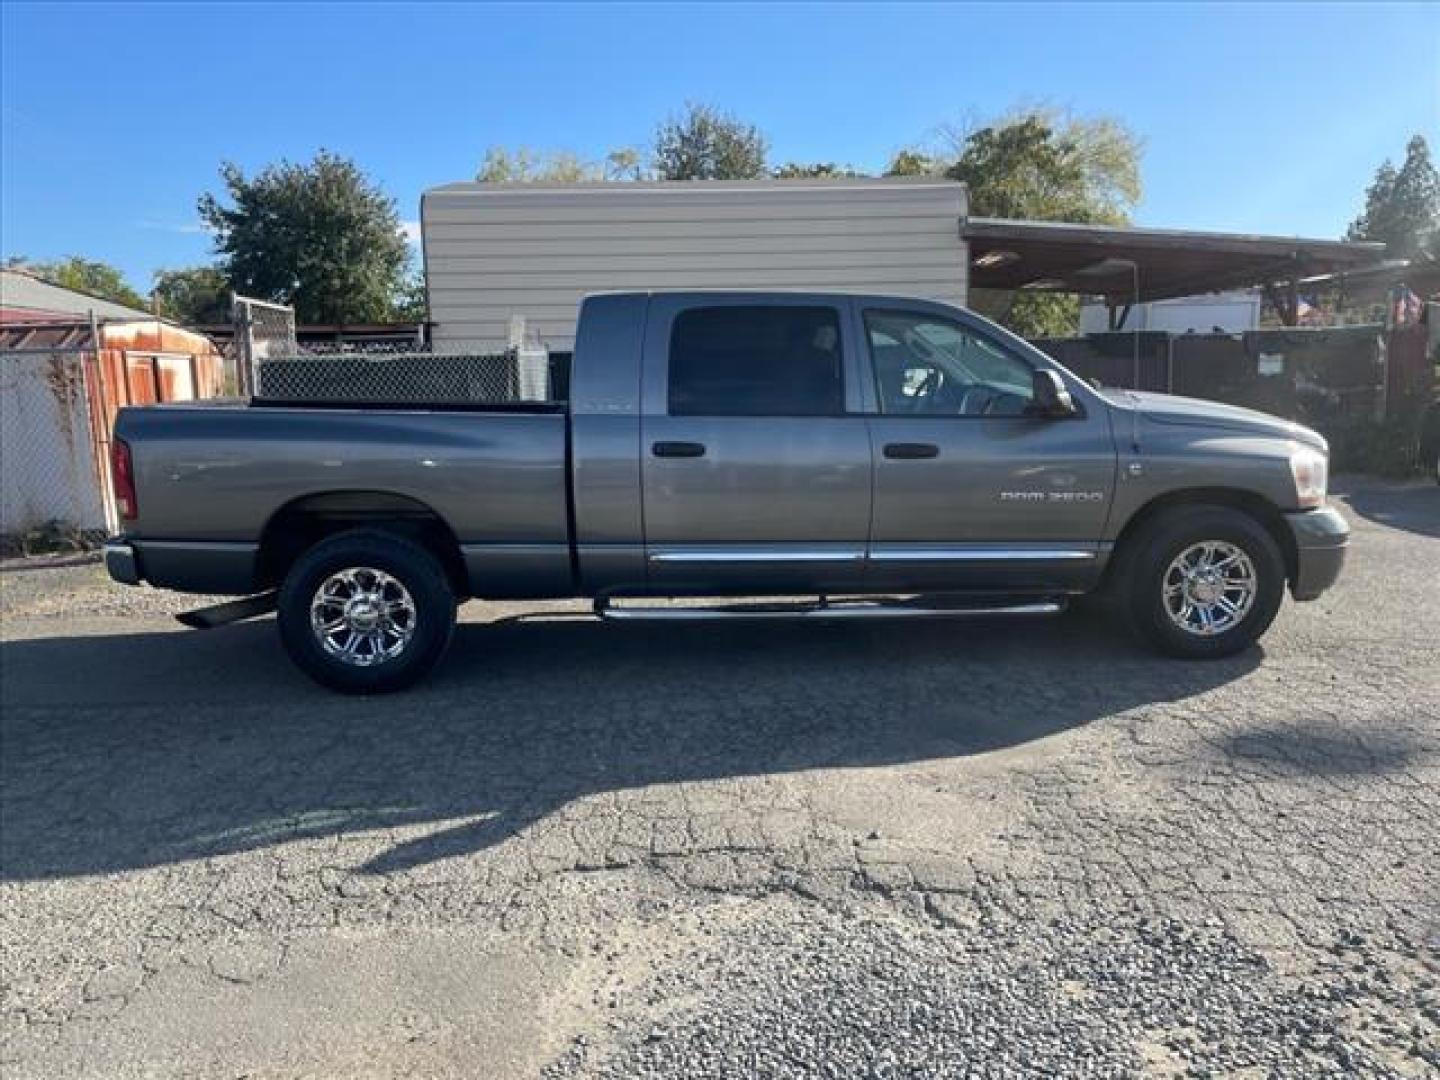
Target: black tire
x=1148, y=559
x=409, y=564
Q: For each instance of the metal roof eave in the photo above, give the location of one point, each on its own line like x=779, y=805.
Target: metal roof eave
x=1106, y=260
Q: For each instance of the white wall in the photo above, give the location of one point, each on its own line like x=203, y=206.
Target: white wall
x=1232, y=312
x=493, y=251
x=47, y=468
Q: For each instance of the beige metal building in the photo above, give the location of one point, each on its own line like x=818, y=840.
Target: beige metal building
x=494, y=251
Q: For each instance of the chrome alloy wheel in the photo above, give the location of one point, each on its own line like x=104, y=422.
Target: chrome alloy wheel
x=362, y=616
x=1209, y=588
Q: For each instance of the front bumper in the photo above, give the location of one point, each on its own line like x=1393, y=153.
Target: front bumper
x=1321, y=539
x=121, y=562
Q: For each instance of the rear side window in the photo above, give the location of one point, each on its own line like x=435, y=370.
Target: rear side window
x=756, y=361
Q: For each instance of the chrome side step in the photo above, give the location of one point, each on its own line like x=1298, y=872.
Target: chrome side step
x=825, y=609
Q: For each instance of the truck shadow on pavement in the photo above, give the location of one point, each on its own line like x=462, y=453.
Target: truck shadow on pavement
x=129, y=751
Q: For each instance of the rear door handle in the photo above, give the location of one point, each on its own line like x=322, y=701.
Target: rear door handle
x=678, y=449
x=911, y=451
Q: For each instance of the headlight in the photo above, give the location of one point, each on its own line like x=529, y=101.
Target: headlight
x=1311, y=469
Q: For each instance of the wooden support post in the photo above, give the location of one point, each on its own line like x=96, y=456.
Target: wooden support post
x=1286, y=305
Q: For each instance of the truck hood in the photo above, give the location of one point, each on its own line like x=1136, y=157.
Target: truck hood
x=1193, y=412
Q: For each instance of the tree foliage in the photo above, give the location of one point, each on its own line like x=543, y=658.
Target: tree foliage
x=1402, y=206
x=626, y=163
x=700, y=144
x=410, y=302
x=818, y=170
x=1040, y=165
x=524, y=165
x=195, y=295
x=704, y=143
x=914, y=163
x=321, y=237
x=89, y=276
x=1043, y=166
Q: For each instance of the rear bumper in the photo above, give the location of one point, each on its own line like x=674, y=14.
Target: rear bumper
x=121, y=563
x=199, y=567
x=1321, y=539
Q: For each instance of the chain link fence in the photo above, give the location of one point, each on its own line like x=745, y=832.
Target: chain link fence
x=405, y=378
x=262, y=330
x=278, y=368
x=53, y=496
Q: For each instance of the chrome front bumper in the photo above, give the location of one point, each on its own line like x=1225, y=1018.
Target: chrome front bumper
x=121, y=563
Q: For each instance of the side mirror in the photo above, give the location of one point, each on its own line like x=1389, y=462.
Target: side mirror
x=1049, y=396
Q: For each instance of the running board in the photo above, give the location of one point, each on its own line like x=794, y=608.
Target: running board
x=207, y=618
x=835, y=609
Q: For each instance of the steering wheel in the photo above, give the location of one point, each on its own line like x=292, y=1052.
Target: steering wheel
x=928, y=388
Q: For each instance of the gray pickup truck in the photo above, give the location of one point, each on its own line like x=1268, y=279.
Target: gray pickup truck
x=885, y=456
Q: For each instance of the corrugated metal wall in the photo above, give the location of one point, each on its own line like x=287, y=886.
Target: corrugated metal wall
x=493, y=251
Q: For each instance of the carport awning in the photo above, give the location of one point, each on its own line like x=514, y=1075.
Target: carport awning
x=1100, y=260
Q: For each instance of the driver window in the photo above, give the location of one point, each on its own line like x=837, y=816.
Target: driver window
x=926, y=365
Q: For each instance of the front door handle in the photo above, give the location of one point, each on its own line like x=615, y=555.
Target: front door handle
x=911, y=451
x=678, y=449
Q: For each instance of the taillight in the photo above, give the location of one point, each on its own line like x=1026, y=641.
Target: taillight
x=122, y=476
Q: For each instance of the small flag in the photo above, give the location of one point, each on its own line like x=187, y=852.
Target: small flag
x=1407, y=308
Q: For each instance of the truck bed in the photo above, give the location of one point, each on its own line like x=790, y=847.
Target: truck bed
x=213, y=480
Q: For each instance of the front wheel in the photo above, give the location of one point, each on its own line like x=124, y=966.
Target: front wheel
x=366, y=612
x=1204, y=582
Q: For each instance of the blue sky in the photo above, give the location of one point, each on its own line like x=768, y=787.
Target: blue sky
x=115, y=117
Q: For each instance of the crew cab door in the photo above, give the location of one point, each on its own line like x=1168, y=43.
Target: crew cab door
x=972, y=490
x=755, y=458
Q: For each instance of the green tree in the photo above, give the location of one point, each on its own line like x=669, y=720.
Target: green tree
x=706, y=144
x=914, y=163
x=1037, y=164
x=1042, y=166
x=196, y=295
x=626, y=163
x=321, y=237
x=793, y=170
x=1402, y=206
x=87, y=276
x=524, y=165
x=410, y=302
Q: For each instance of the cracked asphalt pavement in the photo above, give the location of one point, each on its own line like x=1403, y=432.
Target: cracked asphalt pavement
x=911, y=849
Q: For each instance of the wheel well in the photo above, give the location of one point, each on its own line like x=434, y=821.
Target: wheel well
x=1247, y=502
x=300, y=525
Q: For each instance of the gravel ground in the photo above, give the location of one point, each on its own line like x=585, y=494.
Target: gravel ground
x=867, y=995
x=582, y=850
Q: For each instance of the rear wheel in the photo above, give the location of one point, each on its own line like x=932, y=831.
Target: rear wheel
x=1203, y=582
x=366, y=612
